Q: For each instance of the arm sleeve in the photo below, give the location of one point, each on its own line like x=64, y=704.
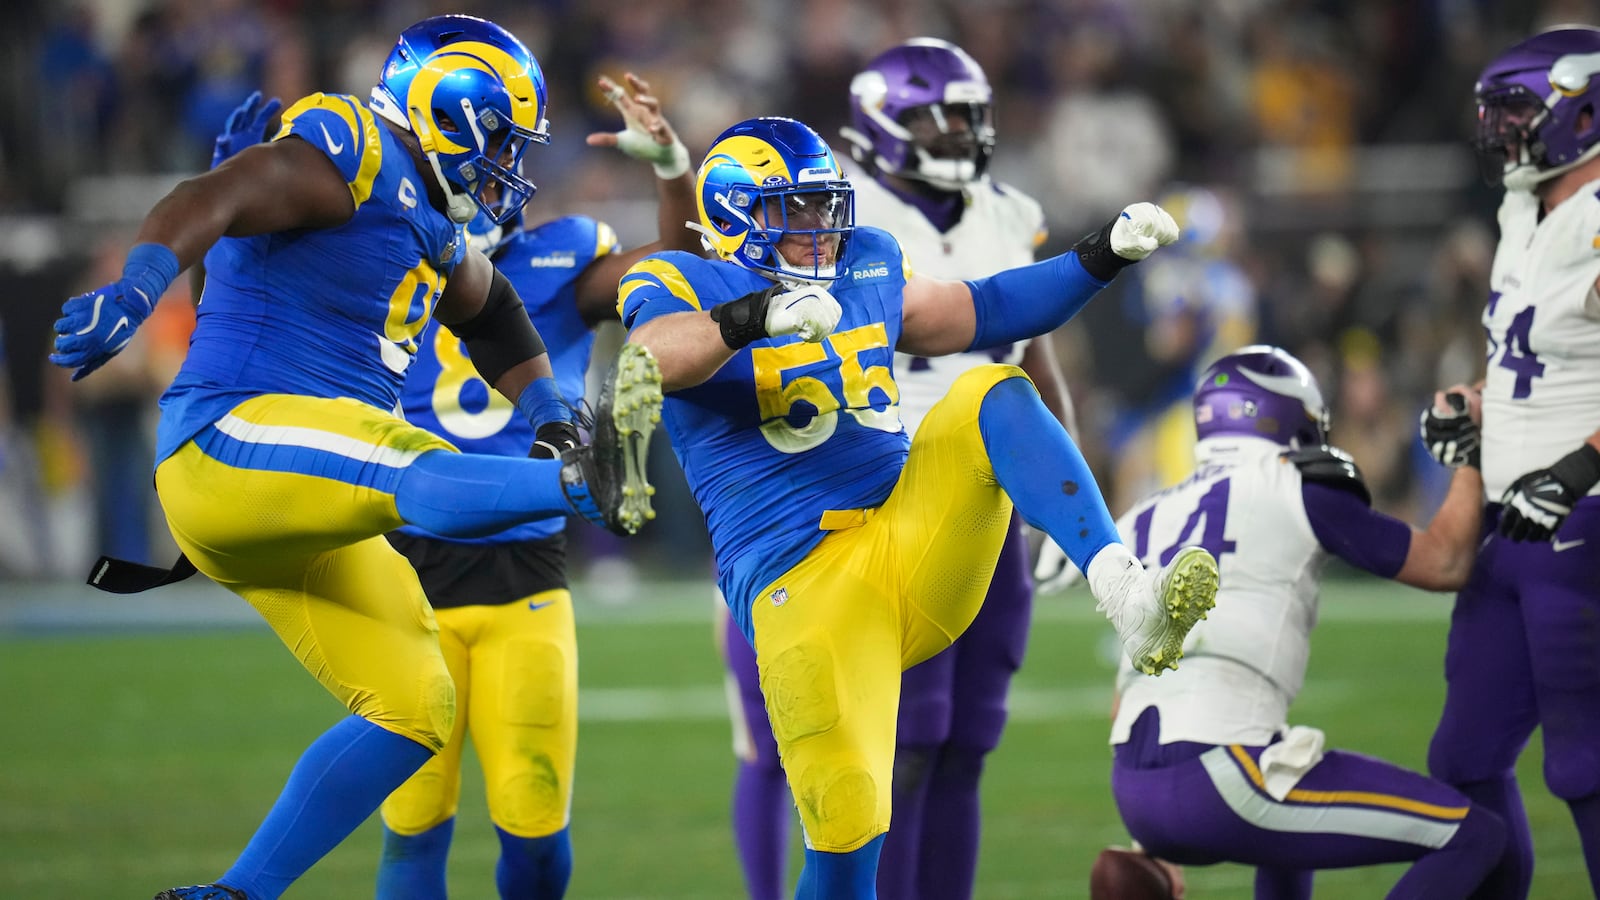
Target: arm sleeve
x=1354, y=531
x=1028, y=301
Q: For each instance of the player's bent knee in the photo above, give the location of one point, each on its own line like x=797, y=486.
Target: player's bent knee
x=801, y=692
x=427, y=717
x=1459, y=762
x=972, y=385
x=1571, y=776
x=839, y=804
x=425, y=801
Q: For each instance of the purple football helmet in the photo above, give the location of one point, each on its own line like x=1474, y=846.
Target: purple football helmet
x=1261, y=391
x=922, y=111
x=1532, y=100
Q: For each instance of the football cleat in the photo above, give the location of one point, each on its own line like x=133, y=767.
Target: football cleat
x=605, y=480
x=1153, y=630
x=202, y=892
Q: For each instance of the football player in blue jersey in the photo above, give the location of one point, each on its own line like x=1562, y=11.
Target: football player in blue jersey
x=505, y=615
x=922, y=135
x=848, y=551
x=280, y=462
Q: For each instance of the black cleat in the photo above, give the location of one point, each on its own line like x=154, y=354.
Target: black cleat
x=202, y=892
x=605, y=481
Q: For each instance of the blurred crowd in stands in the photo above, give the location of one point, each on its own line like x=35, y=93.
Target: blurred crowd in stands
x=1315, y=152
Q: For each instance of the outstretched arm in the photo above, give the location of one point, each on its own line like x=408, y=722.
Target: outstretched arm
x=942, y=317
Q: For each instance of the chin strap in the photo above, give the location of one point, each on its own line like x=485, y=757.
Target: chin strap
x=1528, y=176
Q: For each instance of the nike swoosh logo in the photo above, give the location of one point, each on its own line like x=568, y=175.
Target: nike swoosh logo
x=1559, y=546
x=533, y=605
x=95, y=319
x=333, y=145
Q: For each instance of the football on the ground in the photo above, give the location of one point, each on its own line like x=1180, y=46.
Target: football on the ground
x=1120, y=874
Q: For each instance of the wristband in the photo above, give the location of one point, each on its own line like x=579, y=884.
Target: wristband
x=150, y=269
x=744, y=321
x=1579, y=470
x=677, y=165
x=1096, y=256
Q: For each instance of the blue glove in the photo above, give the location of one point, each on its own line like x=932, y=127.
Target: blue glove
x=95, y=326
x=246, y=127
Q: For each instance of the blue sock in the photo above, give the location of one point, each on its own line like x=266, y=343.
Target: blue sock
x=472, y=495
x=341, y=778
x=412, y=867
x=1041, y=469
x=534, y=868
x=841, y=876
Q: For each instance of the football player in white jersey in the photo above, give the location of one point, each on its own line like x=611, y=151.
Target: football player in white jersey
x=922, y=135
x=1207, y=768
x=1525, y=634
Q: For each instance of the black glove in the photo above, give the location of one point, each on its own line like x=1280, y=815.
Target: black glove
x=1537, y=503
x=552, y=438
x=1452, y=438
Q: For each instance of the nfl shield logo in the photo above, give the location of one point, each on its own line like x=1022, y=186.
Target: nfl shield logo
x=780, y=596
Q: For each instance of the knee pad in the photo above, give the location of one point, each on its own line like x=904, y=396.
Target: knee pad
x=840, y=802
x=1461, y=760
x=913, y=766
x=427, y=800
x=960, y=764
x=1570, y=772
x=532, y=802
x=974, y=383
x=428, y=720
x=802, y=696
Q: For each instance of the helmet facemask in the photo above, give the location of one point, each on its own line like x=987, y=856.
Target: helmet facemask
x=950, y=143
x=803, y=222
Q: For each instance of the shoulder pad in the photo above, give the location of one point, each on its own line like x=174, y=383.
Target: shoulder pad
x=1330, y=466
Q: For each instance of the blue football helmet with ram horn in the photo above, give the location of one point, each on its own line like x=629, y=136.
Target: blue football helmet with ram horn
x=475, y=98
x=771, y=185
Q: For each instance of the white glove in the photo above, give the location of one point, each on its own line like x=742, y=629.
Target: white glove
x=1140, y=229
x=806, y=310
x=1053, y=571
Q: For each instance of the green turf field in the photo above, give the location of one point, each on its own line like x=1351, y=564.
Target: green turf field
x=143, y=760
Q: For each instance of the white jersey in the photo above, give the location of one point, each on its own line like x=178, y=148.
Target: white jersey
x=1541, y=398
x=999, y=230
x=1244, y=664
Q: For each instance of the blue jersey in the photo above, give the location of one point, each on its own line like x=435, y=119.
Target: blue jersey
x=332, y=312
x=443, y=391
x=786, y=430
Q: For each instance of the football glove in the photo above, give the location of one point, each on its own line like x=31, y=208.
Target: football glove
x=1537, y=503
x=1134, y=234
x=805, y=310
x=1452, y=437
x=96, y=326
x=246, y=126
x=1141, y=229
x=552, y=439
